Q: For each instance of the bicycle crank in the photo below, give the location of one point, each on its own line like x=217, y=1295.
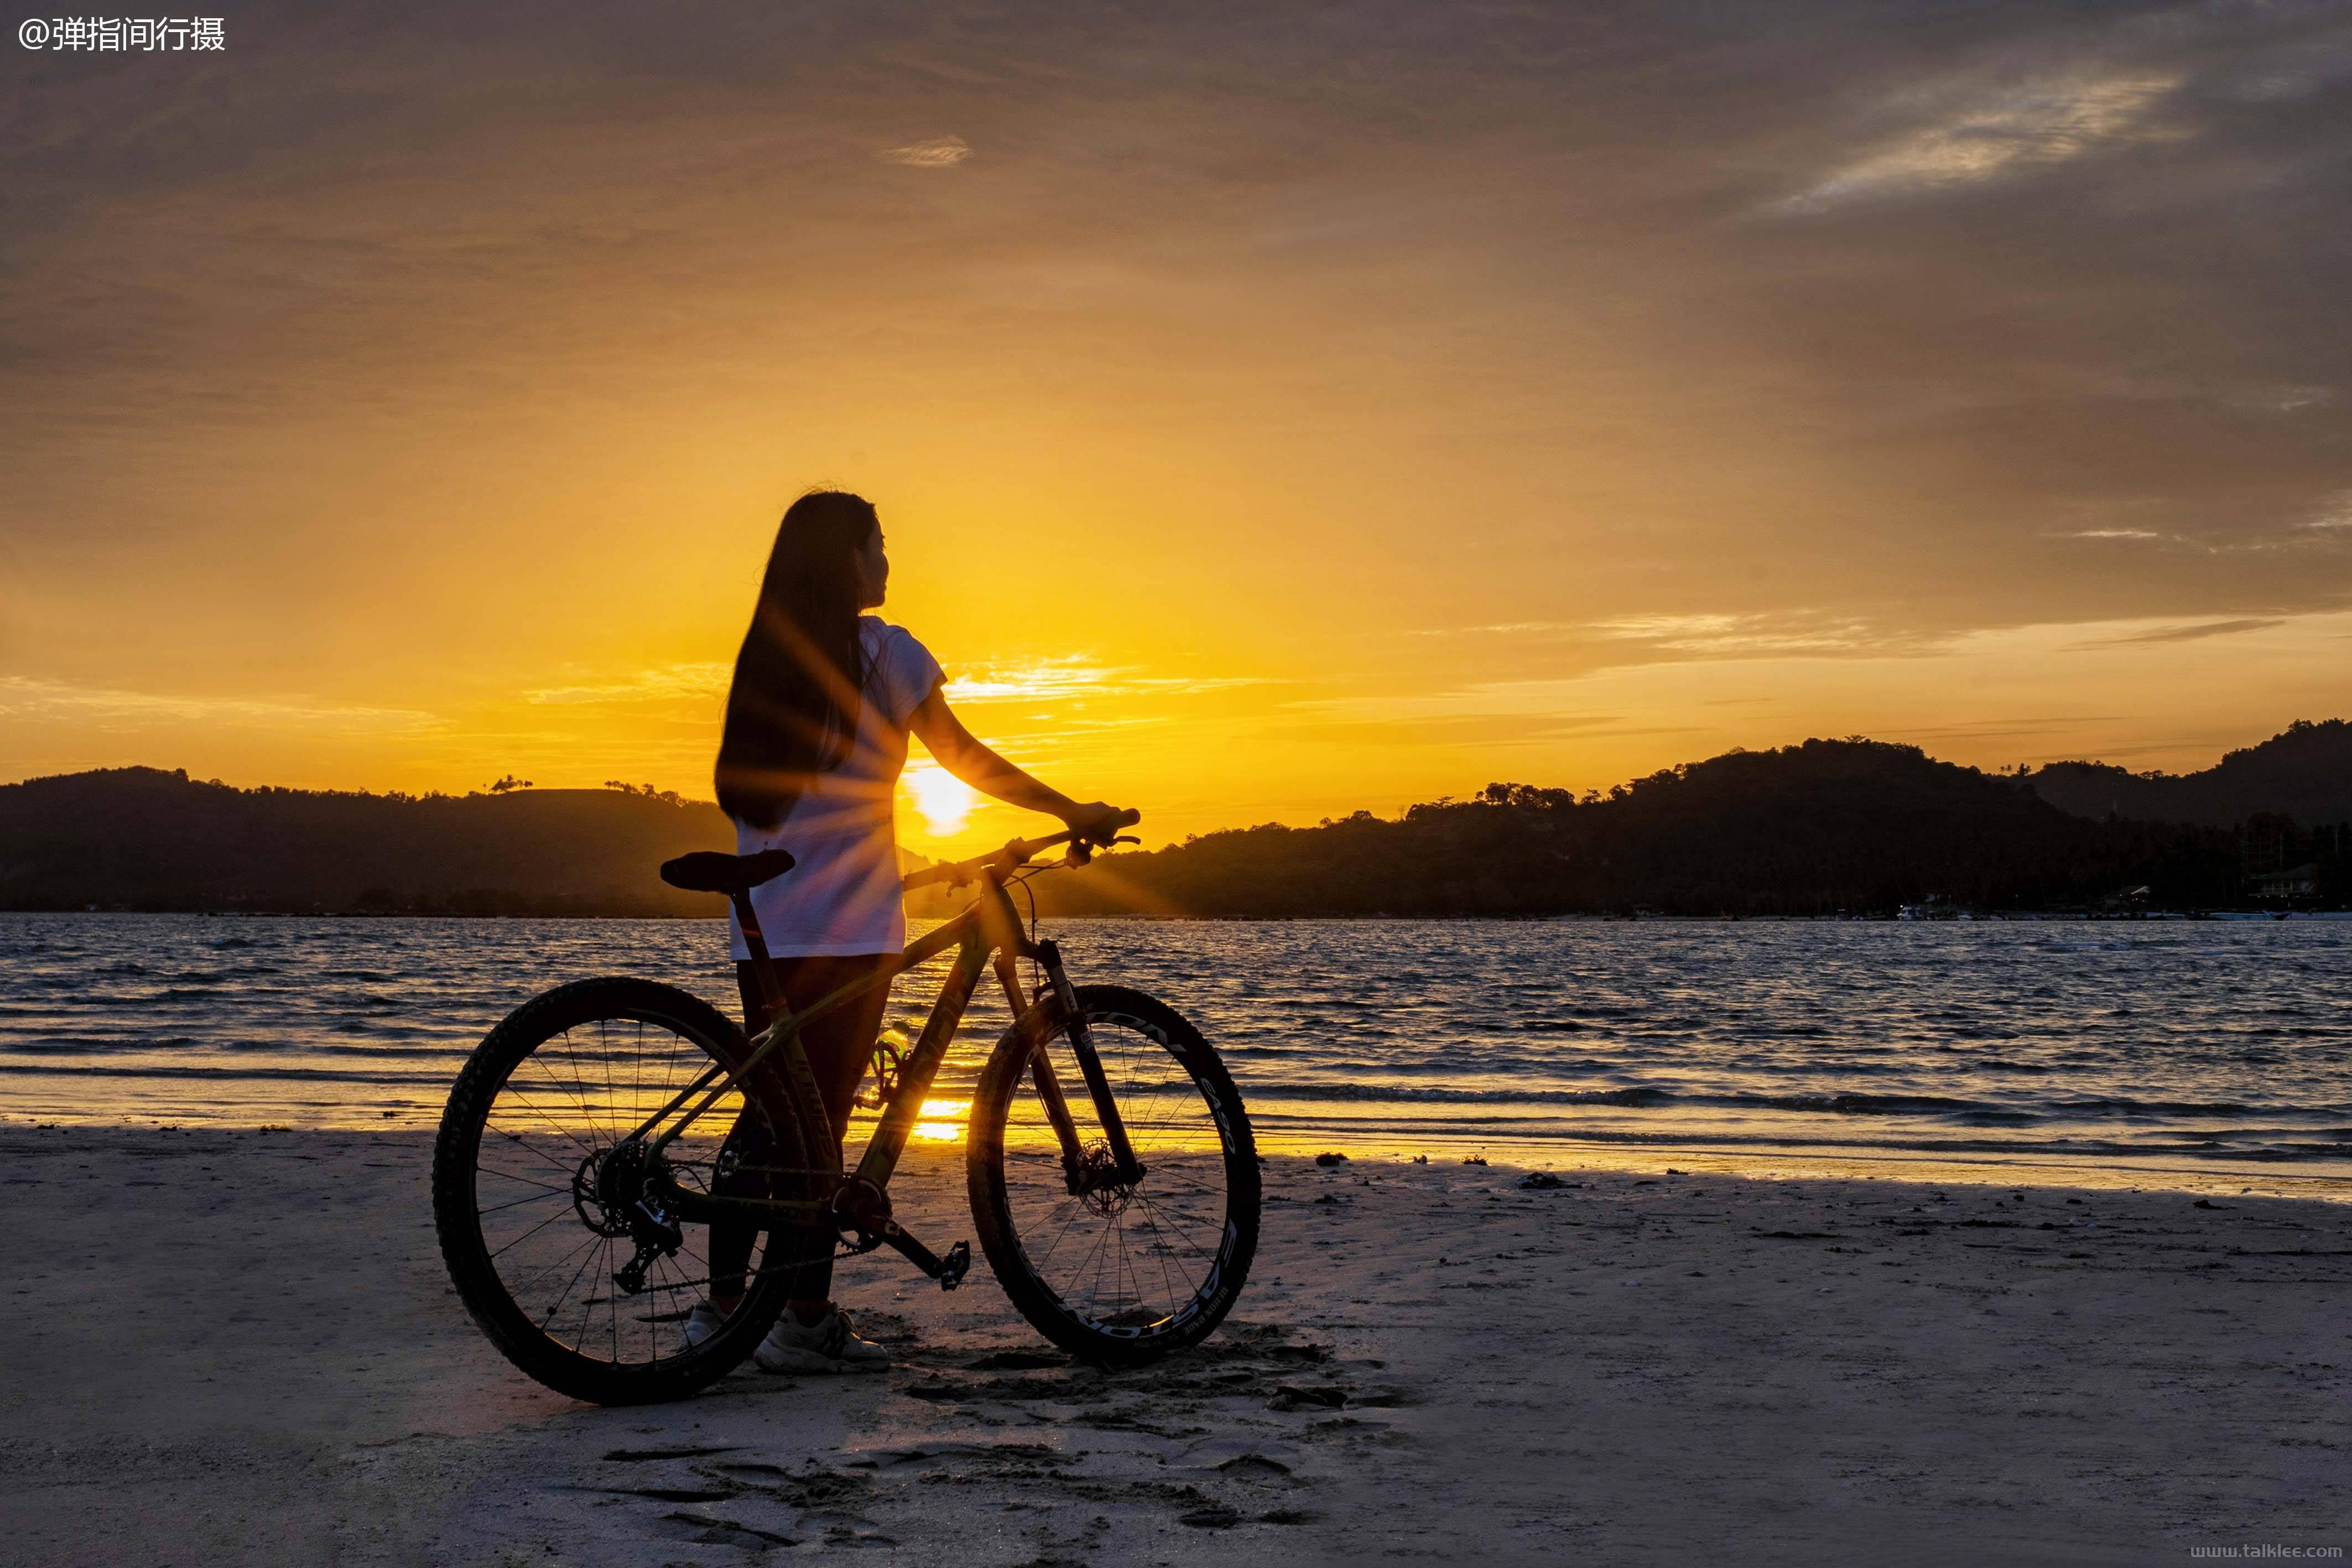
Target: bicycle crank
x=949, y=1270
x=864, y=1208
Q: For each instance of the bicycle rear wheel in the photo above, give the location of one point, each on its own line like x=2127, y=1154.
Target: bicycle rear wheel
x=1117, y=1274
x=535, y=1214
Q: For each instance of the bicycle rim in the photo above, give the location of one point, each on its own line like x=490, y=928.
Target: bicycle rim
x=541, y=1227
x=1116, y=1270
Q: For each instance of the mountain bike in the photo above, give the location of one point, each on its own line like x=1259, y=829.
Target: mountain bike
x=600, y=1129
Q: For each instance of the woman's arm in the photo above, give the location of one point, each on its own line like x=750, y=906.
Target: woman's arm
x=978, y=766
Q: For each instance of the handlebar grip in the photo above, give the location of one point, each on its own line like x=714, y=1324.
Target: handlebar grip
x=1102, y=832
x=926, y=877
x=1099, y=833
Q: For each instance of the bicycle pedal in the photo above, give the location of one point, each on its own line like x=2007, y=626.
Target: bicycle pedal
x=955, y=1265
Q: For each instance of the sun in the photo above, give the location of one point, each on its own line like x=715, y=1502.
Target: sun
x=943, y=800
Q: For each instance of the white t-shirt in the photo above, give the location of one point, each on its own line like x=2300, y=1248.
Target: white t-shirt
x=843, y=894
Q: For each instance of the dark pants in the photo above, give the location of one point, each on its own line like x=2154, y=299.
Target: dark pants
x=840, y=1044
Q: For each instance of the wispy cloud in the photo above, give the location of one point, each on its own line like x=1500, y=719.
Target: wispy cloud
x=642, y=686
x=2036, y=125
x=1793, y=632
x=2187, y=634
x=1799, y=631
x=2114, y=534
x=1359, y=722
x=939, y=152
x=2010, y=728
x=22, y=696
x=1078, y=676
x=2338, y=514
x=1500, y=629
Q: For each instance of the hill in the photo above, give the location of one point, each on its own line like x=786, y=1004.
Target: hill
x=1826, y=825
x=138, y=838
x=2305, y=772
x=1810, y=829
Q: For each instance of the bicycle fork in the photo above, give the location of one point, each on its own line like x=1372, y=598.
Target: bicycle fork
x=1080, y=1174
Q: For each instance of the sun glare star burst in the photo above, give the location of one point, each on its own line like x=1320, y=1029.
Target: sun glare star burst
x=943, y=800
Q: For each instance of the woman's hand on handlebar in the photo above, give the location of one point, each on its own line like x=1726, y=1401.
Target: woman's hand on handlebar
x=1096, y=820
x=1091, y=825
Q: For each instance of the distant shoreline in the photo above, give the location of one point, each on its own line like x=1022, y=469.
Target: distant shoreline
x=1821, y=829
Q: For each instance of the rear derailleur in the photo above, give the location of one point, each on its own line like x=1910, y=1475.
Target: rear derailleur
x=615, y=1195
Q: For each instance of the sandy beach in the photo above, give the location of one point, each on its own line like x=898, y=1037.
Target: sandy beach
x=236, y=1348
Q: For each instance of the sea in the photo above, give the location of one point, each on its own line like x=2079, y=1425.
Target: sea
x=2128, y=1048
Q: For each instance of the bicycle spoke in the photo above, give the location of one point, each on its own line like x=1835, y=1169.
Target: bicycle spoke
x=593, y=1246
x=527, y=1181
x=546, y=1072
x=533, y=1106
x=562, y=1105
x=525, y=1236
x=515, y=1142
x=534, y=1198
x=1136, y=1257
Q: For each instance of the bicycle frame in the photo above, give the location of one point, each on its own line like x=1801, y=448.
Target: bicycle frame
x=989, y=932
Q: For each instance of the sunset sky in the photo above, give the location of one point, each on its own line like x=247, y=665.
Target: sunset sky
x=1274, y=411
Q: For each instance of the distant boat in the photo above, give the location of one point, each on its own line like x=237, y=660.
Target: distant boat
x=1939, y=906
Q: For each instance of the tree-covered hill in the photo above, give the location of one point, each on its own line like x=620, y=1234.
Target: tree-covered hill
x=139, y=838
x=2305, y=772
x=142, y=838
x=1810, y=829
x=1826, y=825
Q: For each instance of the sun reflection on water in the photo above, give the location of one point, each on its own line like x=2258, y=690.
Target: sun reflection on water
x=936, y=1128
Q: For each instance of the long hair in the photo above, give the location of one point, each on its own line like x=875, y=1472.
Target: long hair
x=792, y=709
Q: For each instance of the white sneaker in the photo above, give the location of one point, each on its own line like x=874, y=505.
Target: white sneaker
x=699, y=1325
x=830, y=1344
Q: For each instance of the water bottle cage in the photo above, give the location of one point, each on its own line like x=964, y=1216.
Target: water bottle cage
x=887, y=1070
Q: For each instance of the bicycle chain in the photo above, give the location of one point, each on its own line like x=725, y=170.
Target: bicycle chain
x=842, y=1250
x=764, y=1270
x=725, y=1165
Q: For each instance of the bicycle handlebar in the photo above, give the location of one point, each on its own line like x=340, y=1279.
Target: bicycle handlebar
x=1019, y=853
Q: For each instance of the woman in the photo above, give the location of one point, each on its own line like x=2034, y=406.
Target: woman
x=817, y=719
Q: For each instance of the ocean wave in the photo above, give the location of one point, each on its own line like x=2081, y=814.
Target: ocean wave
x=69, y=1047
x=1986, y=1038
x=1652, y=1097
x=1667, y=1139
x=282, y=1074
x=1413, y=1094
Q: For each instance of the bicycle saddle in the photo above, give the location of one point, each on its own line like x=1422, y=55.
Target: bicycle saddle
x=707, y=871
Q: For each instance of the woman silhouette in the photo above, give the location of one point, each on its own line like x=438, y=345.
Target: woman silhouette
x=817, y=719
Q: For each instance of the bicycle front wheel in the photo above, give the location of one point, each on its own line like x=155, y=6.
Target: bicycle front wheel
x=1117, y=1273
x=537, y=1180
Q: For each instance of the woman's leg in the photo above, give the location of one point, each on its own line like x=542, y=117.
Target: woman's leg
x=839, y=1044
x=750, y=1141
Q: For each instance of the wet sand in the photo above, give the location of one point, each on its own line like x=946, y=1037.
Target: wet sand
x=240, y=1348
